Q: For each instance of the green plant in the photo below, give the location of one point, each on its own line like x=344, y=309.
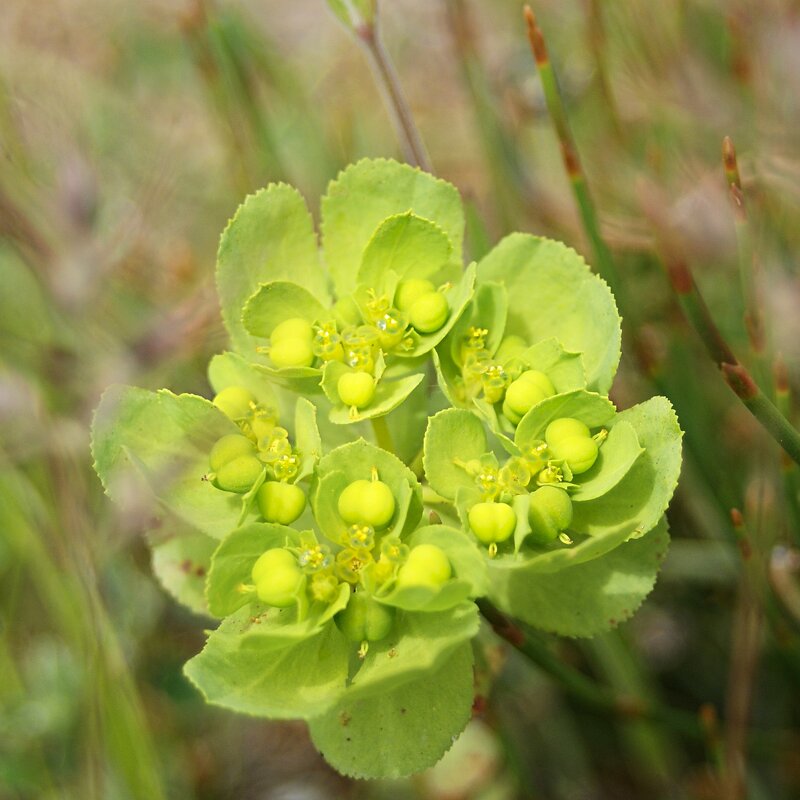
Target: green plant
x=353, y=611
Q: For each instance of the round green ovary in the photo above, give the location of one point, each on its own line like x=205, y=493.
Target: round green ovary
x=235, y=402
x=356, y=389
x=429, y=312
x=229, y=447
x=549, y=513
x=427, y=565
x=510, y=347
x=277, y=578
x=579, y=452
x=239, y=474
x=280, y=502
x=367, y=503
x=492, y=522
x=292, y=353
x=365, y=619
x=565, y=428
x=526, y=391
x=409, y=291
x=295, y=328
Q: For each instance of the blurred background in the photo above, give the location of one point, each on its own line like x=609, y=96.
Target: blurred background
x=129, y=133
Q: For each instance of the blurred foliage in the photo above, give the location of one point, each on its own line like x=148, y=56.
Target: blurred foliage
x=129, y=134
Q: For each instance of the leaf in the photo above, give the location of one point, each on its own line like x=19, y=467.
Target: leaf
x=354, y=13
x=469, y=571
x=271, y=237
x=588, y=598
x=400, y=732
x=410, y=247
x=640, y=499
x=592, y=409
x=256, y=673
x=148, y=444
x=552, y=293
x=616, y=456
x=275, y=302
x=364, y=195
x=181, y=564
x=233, y=561
x=355, y=461
x=453, y=435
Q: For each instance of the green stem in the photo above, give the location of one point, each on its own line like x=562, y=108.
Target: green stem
x=383, y=436
x=754, y=324
x=584, y=689
x=735, y=374
x=569, y=153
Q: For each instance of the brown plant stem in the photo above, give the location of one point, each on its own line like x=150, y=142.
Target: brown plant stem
x=414, y=151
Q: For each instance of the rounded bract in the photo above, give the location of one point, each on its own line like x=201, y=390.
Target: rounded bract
x=427, y=565
x=579, y=452
x=367, y=503
x=277, y=578
x=565, y=428
x=549, y=513
x=280, y=502
x=292, y=352
x=239, y=474
x=356, y=389
x=364, y=619
x=235, y=402
x=410, y=290
x=295, y=328
x=428, y=313
x=492, y=522
x=229, y=447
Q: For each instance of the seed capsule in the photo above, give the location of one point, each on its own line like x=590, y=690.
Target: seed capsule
x=294, y=328
x=429, y=312
x=526, y=391
x=549, y=512
x=579, y=452
x=356, y=389
x=409, y=291
x=427, y=565
x=292, y=353
x=365, y=619
x=367, y=503
x=235, y=402
x=277, y=578
x=280, y=502
x=239, y=474
x=565, y=428
x=492, y=522
x=229, y=447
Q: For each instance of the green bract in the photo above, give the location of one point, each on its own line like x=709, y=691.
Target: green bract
x=339, y=602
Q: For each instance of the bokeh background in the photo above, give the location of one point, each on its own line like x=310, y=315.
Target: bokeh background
x=129, y=133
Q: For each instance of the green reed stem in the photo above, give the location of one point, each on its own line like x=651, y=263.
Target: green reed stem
x=569, y=153
x=584, y=689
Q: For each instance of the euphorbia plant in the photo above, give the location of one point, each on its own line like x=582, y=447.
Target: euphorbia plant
x=392, y=437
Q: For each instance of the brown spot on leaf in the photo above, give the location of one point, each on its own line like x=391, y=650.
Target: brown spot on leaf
x=344, y=719
x=186, y=566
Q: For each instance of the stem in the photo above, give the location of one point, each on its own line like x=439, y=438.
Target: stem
x=735, y=374
x=569, y=153
x=584, y=689
x=414, y=151
x=383, y=436
x=745, y=652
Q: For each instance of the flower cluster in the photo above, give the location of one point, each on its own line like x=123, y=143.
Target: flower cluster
x=341, y=510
